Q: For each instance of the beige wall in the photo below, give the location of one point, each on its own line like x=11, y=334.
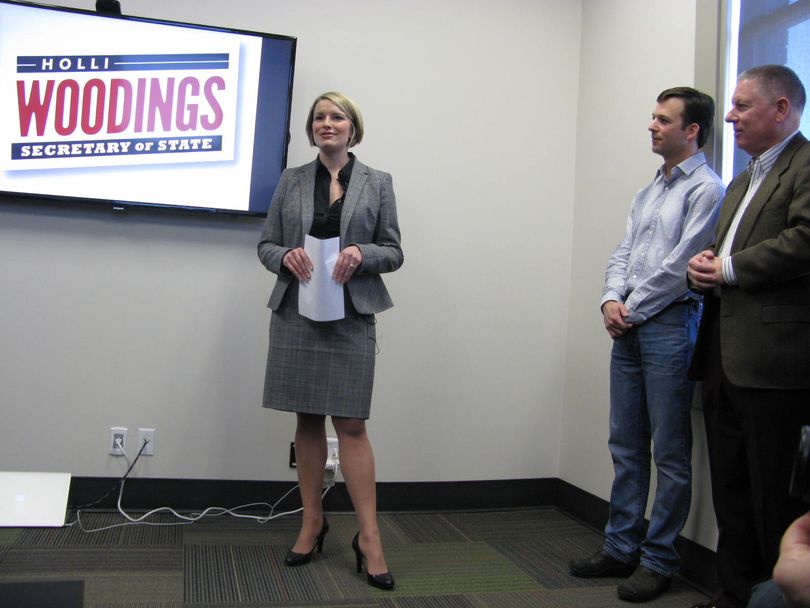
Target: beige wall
x=515, y=132
x=620, y=77
x=161, y=322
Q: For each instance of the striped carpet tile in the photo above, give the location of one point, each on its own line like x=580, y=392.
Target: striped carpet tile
x=434, y=529
x=524, y=599
x=227, y=530
x=116, y=589
x=517, y=525
x=46, y=560
x=257, y=574
x=140, y=605
x=545, y=562
x=452, y=569
x=9, y=536
x=605, y=596
x=440, y=601
x=161, y=531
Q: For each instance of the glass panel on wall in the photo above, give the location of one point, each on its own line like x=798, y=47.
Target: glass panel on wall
x=766, y=31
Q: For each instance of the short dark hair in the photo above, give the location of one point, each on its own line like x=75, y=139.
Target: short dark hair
x=778, y=81
x=698, y=108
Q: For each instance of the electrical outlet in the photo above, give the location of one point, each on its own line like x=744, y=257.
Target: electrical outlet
x=332, y=462
x=332, y=458
x=147, y=435
x=118, y=440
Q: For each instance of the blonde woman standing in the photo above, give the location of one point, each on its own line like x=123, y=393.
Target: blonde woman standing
x=318, y=369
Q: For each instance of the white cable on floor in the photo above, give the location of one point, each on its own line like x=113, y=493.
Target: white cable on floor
x=194, y=517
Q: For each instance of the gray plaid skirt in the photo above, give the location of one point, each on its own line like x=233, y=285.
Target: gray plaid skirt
x=324, y=368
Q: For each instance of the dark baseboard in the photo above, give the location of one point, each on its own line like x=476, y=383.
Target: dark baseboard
x=465, y=495
x=193, y=494
x=142, y=494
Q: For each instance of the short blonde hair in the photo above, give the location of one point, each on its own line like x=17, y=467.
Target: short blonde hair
x=348, y=107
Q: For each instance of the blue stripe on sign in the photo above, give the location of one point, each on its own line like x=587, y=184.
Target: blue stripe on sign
x=114, y=63
x=128, y=67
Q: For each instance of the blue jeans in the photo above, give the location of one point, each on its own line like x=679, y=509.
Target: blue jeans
x=650, y=401
x=767, y=595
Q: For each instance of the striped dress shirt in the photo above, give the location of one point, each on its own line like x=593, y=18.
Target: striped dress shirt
x=670, y=220
x=758, y=169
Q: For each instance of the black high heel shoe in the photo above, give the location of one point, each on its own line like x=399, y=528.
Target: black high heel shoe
x=299, y=559
x=381, y=581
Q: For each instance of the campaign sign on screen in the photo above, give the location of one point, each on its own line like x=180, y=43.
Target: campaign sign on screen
x=85, y=110
x=141, y=111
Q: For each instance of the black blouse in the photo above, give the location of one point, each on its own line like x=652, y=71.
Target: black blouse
x=326, y=221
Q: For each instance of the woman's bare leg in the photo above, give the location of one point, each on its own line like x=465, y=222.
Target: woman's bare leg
x=310, y=459
x=357, y=465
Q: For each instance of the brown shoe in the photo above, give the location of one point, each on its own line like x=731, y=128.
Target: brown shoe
x=643, y=585
x=600, y=564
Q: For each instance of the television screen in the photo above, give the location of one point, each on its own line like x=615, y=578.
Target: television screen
x=134, y=111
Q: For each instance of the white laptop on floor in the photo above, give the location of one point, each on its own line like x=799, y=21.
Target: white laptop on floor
x=33, y=499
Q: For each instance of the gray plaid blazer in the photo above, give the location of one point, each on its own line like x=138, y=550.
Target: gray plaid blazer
x=368, y=220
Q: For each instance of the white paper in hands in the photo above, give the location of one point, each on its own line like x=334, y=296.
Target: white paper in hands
x=321, y=298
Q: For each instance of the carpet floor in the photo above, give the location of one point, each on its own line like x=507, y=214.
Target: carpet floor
x=512, y=559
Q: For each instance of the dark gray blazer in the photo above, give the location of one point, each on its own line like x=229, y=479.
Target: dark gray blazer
x=368, y=220
x=765, y=320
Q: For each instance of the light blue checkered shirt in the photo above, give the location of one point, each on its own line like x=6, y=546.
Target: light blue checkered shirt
x=670, y=221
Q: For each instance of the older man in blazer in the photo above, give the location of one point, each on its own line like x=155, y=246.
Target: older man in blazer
x=753, y=348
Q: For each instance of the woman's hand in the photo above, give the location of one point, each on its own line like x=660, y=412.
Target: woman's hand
x=348, y=262
x=298, y=263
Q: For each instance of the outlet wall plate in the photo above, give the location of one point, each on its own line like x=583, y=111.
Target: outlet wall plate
x=117, y=434
x=332, y=456
x=147, y=435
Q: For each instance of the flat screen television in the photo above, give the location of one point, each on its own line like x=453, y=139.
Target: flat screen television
x=129, y=111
